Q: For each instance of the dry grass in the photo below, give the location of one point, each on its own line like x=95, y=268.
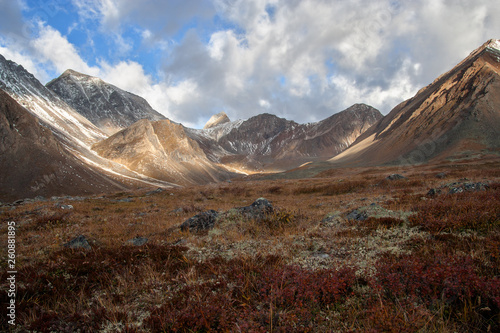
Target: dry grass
x=416, y=264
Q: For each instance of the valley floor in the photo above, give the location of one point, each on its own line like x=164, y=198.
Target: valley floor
x=348, y=250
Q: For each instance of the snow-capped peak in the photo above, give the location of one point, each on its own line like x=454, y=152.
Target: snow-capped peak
x=494, y=44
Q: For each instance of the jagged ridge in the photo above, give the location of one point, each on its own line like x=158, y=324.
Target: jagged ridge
x=106, y=106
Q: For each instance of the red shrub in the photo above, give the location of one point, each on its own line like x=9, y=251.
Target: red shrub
x=471, y=210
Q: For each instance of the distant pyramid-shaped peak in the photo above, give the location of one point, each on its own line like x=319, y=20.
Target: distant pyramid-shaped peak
x=217, y=119
x=78, y=75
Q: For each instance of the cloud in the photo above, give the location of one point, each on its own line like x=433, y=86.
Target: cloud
x=312, y=58
x=300, y=59
x=12, y=21
x=161, y=17
x=54, y=49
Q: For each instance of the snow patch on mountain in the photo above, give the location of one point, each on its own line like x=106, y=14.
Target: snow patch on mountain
x=495, y=44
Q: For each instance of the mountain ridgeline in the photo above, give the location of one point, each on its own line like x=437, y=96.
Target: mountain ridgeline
x=79, y=134
x=109, y=108
x=455, y=116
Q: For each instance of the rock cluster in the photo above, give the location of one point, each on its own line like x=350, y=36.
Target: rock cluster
x=458, y=187
x=207, y=220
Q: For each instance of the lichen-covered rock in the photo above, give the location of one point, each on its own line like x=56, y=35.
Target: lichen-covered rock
x=458, y=187
x=137, y=241
x=467, y=187
x=200, y=222
x=257, y=210
x=395, y=177
x=357, y=215
x=79, y=242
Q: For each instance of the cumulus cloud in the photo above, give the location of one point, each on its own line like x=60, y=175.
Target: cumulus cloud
x=55, y=49
x=312, y=58
x=161, y=17
x=300, y=59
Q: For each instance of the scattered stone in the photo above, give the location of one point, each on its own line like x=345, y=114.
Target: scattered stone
x=257, y=210
x=395, y=176
x=356, y=215
x=137, y=241
x=200, y=222
x=40, y=198
x=332, y=219
x=320, y=255
x=433, y=192
x=79, y=242
x=158, y=190
x=64, y=207
x=123, y=200
x=76, y=198
x=181, y=241
x=441, y=175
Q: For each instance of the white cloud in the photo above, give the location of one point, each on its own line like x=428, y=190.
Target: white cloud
x=284, y=56
x=55, y=49
x=264, y=104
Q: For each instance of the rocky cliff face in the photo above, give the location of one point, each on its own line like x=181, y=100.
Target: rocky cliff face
x=459, y=111
x=106, y=106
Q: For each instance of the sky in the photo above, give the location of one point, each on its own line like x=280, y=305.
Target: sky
x=303, y=60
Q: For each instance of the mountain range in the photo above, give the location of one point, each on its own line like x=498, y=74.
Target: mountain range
x=79, y=134
x=457, y=114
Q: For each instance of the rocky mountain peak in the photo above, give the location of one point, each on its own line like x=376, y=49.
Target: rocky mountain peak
x=106, y=106
x=493, y=45
x=459, y=109
x=217, y=119
x=74, y=75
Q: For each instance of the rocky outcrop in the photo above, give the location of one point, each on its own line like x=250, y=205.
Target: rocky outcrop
x=79, y=242
x=258, y=210
x=200, y=222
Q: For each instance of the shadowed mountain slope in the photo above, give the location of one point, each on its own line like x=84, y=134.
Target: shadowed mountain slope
x=35, y=163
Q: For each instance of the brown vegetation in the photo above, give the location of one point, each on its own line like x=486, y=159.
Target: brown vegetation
x=416, y=263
